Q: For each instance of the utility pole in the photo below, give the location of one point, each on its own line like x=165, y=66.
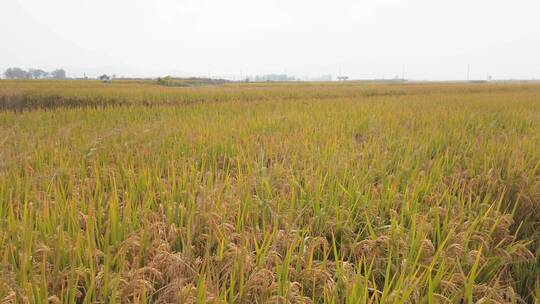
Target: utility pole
x=468, y=72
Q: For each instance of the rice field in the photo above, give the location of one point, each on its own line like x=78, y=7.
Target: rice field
x=131, y=192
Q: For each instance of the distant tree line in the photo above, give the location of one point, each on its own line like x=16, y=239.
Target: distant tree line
x=18, y=73
x=188, y=82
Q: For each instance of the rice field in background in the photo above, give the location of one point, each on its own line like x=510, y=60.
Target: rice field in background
x=131, y=192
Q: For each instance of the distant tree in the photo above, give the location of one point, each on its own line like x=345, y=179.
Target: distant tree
x=167, y=80
x=105, y=78
x=37, y=73
x=16, y=73
x=58, y=74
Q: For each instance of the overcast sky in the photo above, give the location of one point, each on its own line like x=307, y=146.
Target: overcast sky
x=430, y=39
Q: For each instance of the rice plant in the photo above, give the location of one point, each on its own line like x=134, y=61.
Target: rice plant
x=269, y=193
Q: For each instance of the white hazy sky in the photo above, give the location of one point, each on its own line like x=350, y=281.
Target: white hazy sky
x=432, y=39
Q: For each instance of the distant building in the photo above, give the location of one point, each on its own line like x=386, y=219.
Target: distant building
x=342, y=78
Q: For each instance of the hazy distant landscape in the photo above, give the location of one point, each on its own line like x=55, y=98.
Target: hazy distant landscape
x=269, y=152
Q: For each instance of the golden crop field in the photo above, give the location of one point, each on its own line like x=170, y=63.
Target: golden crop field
x=351, y=192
